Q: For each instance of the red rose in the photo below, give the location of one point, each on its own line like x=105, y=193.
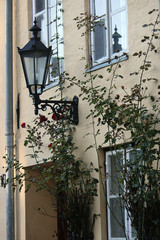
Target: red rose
x=57, y=116
x=23, y=125
x=43, y=118
x=117, y=96
x=54, y=116
x=50, y=145
x=123, y=105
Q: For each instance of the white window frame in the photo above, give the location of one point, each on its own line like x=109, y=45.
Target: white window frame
x=127, y=222
x=51, y=81
x=109, y=55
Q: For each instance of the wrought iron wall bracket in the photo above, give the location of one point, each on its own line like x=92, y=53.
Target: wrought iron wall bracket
x=61, y=109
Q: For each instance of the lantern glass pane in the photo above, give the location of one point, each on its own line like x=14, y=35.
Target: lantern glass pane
x=35, y=89
x=40, y=68
x=29, y=68
x=35, y=67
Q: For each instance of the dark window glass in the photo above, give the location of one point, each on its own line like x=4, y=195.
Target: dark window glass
x=40, y=5
x=117, y=218
x=100, y=40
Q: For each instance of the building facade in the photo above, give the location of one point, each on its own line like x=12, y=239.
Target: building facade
x=117, y=30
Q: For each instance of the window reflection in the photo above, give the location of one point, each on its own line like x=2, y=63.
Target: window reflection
x=116, y=36
x=119, y=20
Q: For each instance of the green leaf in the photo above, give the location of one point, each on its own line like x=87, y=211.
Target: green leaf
x=145, y=25
x=152, y=98
x=135, y=54
x=89, y=147
x=100, y=76
x=25, y=143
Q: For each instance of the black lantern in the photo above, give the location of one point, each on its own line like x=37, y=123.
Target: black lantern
x=35, y=57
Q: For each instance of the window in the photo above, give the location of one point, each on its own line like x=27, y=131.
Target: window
x=119, y=224
x=109, y=34
x=49, y=18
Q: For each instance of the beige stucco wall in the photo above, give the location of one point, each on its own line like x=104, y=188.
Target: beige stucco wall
x=75, y=49
x=41, y=213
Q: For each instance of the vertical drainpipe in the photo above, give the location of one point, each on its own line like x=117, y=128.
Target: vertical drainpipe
x=9, y=118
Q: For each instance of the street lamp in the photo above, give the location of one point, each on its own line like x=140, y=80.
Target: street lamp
x=35, y=58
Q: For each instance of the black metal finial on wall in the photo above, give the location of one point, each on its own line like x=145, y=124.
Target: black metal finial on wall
x=18, y=110
x=3, y=180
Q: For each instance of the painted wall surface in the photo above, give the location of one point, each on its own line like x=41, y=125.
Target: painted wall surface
x=74, y=48
x=41, y=213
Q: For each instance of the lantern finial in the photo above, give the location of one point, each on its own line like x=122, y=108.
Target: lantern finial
x=35, y=29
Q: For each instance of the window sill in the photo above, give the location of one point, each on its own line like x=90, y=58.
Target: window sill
x=108, y=63
x=51, y=85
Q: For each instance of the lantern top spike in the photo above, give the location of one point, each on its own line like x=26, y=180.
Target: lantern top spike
x=35, y=29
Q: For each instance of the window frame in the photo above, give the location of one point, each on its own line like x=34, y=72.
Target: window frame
x=51, y=81
x=110, y=57
x=127, y=221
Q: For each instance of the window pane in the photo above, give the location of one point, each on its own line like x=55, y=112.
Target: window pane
x=55, y=28
x=117, y=218
x=55, y=25
x=100, y=7
x=51, y=3
x=52, y=25
x=99, y=33
x=40, y=5
x=41, y=22
x=100, y=47
x=118, y=26
x=115, y=173
x=135, y=156
x=116, y=4
x=134, y=233
x=55, y=67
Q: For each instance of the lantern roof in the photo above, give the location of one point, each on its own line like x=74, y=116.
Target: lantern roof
x=34, y=44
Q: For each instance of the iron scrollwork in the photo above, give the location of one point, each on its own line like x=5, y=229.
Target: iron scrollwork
x=61, y=109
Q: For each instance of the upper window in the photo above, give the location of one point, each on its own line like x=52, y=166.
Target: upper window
x=49, y=18
x=109, y=34
x=119, y=223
